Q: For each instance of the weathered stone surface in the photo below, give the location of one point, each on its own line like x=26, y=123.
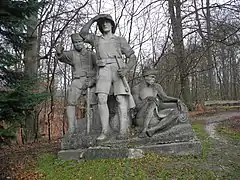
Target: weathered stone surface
x=179, y=140
x=78, y=140
x=178, y=133
x=101, y=152
x=70, y=154
x=105, y=153
x=180, y=148
x=135, y=153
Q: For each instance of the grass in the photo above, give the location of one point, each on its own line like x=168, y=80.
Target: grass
x=205, y=140
x=151, y=166
x=227, y=131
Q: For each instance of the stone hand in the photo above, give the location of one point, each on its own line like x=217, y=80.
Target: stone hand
x=179, y=105
x=151, y=98
x=91, y=82
x=99, y=16
x=122, y=72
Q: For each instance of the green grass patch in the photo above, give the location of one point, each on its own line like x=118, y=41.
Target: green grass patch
x=205, y=140
x=227, y=131
x=149, y=167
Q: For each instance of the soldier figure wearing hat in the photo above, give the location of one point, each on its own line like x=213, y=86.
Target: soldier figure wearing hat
x=83, y=62
x=109, y=47
x=154, y=109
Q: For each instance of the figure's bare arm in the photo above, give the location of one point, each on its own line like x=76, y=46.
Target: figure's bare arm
x=164, y=96
x=85, y=31
x=136, y=97
x=129, y=53
x=65, y=57
x=94, y=60
x=132, y=61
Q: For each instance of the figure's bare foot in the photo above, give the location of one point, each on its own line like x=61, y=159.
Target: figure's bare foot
x=143, y=134
x=104, y=134
x=150, y=133
x=102, y=137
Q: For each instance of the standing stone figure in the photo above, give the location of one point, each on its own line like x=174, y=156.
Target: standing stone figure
x=155, y=110
x=109, y=47
x=84, y=72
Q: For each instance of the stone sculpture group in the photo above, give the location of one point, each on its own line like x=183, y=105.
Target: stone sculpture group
x=144, y=114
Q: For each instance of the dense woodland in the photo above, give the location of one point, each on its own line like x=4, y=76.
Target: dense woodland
x=194, y=45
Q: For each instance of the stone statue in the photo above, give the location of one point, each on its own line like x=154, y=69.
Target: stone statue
x=155, y=111
x=83, y=62
x=111, y=71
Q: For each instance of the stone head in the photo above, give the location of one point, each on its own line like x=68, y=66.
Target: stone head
x=106, y=24
x=77, y=41
x=149, y=75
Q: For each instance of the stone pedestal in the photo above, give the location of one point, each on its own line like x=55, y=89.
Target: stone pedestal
x=101, y=152
x=179, y=140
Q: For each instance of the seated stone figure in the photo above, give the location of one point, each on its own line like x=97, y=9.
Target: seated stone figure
x=155, y=111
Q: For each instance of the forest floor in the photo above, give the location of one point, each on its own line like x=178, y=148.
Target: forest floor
x=220, y=159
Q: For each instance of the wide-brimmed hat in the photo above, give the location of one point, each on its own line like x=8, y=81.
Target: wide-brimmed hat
x=149, y=71
x=109, y=18
x=76, y=36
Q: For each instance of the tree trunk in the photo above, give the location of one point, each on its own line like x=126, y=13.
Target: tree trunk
x=31, y=65
x=211, y=81
x=233, y=67
x=177, y=33
x=225, y=78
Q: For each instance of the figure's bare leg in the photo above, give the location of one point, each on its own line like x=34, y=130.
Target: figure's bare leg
x=161, y=125
x=168, y=105
x=123, y=116
x=148, y=117
x=104, y=115
x=73, y=95
x=71, y=111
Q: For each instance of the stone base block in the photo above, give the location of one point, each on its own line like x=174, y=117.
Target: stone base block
x=75, y=154
x=180, y=148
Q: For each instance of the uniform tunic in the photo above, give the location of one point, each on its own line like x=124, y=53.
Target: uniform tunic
x=106, y=50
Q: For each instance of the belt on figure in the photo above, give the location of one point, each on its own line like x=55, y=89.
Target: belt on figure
x=103, y=62
x=80, y=75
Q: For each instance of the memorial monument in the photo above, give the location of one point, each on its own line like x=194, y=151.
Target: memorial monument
x=158, y=123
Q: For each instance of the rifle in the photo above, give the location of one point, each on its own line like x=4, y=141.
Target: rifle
x=131, y=102
x=88, y=111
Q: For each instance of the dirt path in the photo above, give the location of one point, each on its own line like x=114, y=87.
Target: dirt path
x=219, y=117
x=224, y=157
x=212, y=121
